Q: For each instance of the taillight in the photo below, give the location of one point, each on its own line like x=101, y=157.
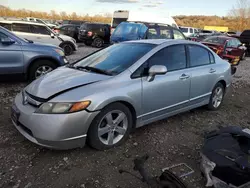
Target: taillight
x=220, y=49
x=57, y=30
x=90, y=33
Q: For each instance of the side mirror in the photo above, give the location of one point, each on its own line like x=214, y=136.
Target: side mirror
x=156, y=70
x=52, y=35
x=7, y=41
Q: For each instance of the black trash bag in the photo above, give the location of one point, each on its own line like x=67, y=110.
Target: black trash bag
x=228, y=148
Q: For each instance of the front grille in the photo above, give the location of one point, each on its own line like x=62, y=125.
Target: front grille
x=27, y=130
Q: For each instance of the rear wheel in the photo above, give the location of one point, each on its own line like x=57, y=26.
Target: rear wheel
x=98, y=42
x=40, y=68
x=111, y=127
x=217, y=97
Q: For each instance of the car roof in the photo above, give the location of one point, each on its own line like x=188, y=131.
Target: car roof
x=222, y=37
x=162, y=41
x=21, y=22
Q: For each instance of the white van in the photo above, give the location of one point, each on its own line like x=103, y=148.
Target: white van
x=119, y=16
x=149, y=17
x=188, y=31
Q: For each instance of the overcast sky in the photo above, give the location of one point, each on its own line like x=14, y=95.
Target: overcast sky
x=172, y=7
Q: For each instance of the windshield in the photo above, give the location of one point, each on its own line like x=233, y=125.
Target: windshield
x=184, y=30
x=116, y=58
x=216, y=40
x=126, y=29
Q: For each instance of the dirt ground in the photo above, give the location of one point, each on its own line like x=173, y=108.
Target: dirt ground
x=168, y=142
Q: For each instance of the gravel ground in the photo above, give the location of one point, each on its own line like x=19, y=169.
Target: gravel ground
x=172, y=141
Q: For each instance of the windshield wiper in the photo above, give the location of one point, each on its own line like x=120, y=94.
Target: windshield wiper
x=93, y=69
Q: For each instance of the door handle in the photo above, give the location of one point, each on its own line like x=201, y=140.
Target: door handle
x=38, y=37
x=184, y=77
x=212, y=71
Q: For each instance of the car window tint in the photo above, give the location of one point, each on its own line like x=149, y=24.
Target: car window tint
x=198, y=56
x=173, y=57
x=191, y=30
x=230, y=44
x=211, y=57
x=71, y=28
x=5, y=25
x=165, y=33
x=178, y=34
x=3, y=36
x=152, y=33
x=21, y=27
x=39, y=30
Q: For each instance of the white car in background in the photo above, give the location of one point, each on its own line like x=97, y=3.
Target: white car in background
x=40, y=33
x=188, y=31
x=38, y=20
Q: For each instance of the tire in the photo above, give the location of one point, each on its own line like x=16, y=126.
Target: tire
x=212, y=106
x=98, y=42
x=39, y=65
x=67, y=48
x=100, y=140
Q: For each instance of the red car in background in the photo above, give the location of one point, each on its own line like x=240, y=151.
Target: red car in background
x=227, y=48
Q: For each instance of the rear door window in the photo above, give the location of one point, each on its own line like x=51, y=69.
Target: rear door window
x=21, y=27
x=191, y=30
x=198, y=56
x=165, y=33
x=36, y=29
x=5, y=25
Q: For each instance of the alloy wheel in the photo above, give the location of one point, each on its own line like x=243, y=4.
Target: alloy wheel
x=42, y=70
x=112, y=127
x=217, y=97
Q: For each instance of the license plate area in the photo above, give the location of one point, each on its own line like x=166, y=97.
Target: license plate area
x=15, y=114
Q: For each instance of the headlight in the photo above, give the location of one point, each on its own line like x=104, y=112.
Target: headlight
x=62, y=108
x=60, y=52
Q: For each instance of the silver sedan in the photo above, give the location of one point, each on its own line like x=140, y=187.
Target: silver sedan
x=101, y=98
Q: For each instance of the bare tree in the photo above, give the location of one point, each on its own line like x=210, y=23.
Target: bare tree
x=241, y=13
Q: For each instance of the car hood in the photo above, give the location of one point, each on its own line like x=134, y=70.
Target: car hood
x=61, y=80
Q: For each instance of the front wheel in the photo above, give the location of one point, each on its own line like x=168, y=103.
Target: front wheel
x=217, y=97
x=67, y=48
x=40, y=68
x=111, y=127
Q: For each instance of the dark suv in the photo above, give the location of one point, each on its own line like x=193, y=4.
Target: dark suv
x=95, y=34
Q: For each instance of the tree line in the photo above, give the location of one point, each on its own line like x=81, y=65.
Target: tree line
x=238, y=18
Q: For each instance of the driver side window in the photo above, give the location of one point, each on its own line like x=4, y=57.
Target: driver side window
x=173, y=57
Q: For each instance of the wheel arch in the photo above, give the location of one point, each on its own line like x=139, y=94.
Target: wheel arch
x=127, y=103
x=32, y=61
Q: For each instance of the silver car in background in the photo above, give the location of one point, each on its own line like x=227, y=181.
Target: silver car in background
x=102, y=97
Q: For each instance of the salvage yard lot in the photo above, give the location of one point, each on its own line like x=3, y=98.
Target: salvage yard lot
x=175, y=140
